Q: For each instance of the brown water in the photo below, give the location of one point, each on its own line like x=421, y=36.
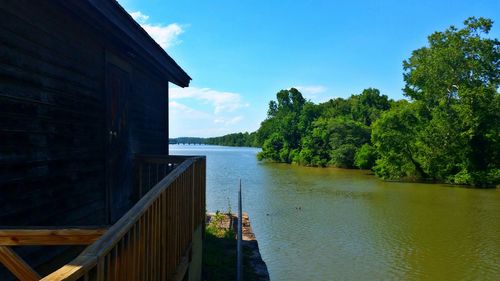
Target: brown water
x=335, y=224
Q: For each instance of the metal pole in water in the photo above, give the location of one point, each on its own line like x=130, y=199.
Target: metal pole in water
x=239, y=252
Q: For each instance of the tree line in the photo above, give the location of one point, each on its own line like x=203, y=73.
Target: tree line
x=446, y=130
x=236, y=139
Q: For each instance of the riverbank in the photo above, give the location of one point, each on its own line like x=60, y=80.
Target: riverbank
x=251, y=248
x=494, y=184
x=219, y=257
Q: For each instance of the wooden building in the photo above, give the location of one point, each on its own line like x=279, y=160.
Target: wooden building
x=84, y=149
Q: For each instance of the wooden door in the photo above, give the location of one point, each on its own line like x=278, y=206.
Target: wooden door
x=118, y=158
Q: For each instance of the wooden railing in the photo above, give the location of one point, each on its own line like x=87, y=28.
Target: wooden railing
x=152, y=241
x=40, y=236
x=150, y=169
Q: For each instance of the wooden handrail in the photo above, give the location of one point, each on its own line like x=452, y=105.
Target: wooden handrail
x=40, y=236
x=152, y=158
x=126, y=222
x=47, y=236
x=73, y=270
x=148, y=242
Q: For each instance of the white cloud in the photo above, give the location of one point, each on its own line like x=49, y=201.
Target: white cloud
x=228, y=121
x=186, y=112
x=314, y=93
x=311, y=90
x=165, y=35
x=221, y=101
x=139, y=17
x=205, y=112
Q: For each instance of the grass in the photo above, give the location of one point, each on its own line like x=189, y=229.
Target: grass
x=219, y=253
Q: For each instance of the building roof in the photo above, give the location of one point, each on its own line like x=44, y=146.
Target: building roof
x=110, y=18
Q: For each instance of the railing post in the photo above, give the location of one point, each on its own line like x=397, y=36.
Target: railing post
x=152, y=240
x=240, y=236
x=203, y=194
x=193, y=190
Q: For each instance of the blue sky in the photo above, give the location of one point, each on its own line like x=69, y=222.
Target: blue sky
x=240, y=53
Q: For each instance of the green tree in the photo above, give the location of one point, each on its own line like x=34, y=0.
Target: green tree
x=316, y=145
x=272, y=148
x=368, y=106
x=335, y=108
x=319, y=135
x=346, y=137
x=395, y=137
x=365, y=157
x=456, y=79
x=283, y=126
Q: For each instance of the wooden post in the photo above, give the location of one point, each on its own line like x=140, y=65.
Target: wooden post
x=193, y=190
x=240, y=237
x=17, y=265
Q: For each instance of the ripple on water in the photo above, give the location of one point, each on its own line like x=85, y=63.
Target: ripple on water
x=352, y=226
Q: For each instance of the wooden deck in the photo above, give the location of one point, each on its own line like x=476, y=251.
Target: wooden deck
x=152, y=241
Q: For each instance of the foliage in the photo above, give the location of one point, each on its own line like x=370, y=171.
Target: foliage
x=186, y=140
x=272, y=148
x=367, y=107
x=315, y=145
x=448, y=130
x=365, y=157
x=219, y=251
x=327, y=134
x=394, y=137
x=236, y=139
x=215, y=228
x=347, y=136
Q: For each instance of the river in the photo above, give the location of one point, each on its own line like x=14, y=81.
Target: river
x=337, y=224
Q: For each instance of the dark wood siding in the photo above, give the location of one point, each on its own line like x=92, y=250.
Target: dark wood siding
x=147, y=119
x=51, y=122
x=53, y=133
x=149, y=114
x=51, y=109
